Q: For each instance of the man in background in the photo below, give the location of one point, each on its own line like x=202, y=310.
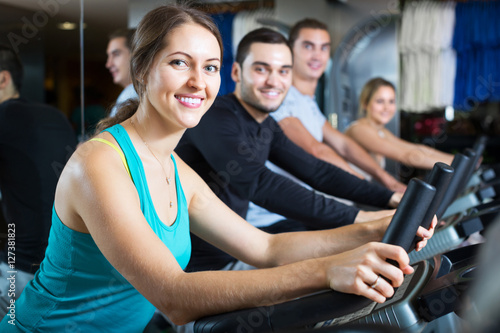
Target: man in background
x=36, y=140
x=118, y=64
x=300, y=117
x=305, y=125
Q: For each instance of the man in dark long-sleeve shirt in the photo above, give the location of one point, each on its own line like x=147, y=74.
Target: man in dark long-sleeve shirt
x=230, y=145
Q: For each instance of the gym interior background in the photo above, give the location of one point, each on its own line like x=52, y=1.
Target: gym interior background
x=48, y=37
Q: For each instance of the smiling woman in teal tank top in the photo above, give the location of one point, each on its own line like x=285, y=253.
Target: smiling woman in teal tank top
x=96, y=292
x=125, y=204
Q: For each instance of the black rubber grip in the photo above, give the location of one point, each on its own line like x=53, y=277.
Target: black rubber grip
x=471, y=166
x=460, y=165
x=410, y=214
x=480, y=142
x=440, y=177
x=480, y=146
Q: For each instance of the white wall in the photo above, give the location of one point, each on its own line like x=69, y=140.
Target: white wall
x=138, y=8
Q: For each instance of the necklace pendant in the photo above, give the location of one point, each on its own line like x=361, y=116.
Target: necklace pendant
x=168, y=180
x=171, y=204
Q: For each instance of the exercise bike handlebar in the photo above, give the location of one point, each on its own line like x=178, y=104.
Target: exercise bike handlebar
x=460, y=166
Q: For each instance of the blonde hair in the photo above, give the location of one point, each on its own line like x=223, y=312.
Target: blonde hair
x=369, y=90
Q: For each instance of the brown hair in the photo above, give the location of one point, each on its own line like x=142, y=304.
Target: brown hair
x=128, y=34
x=148, y=40
x=262, y=35
x=304, y=24
x=10, y=61
x=369, y=89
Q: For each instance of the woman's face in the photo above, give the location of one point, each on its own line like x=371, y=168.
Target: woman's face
x=382, y=106
x=184, y=78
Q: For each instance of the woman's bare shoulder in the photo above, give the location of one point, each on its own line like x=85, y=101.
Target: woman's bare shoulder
x=92, y=166
x=94, y=154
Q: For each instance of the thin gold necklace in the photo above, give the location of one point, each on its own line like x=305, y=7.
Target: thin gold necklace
x=167, y=178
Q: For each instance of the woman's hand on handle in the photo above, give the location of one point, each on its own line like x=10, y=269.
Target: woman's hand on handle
x=425, y=234
x=357, y=271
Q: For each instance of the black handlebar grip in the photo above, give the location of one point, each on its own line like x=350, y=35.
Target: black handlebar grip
x=440, y=177
x=410, y=213
x=460, y=164
x=471, y=167
x=480, y=145
x=478, y=148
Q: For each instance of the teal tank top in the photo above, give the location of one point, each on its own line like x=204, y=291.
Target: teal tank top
x=77, y=290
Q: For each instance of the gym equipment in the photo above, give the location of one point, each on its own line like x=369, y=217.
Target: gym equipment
x=321, y=307
x=463, y=197
x=470, y=218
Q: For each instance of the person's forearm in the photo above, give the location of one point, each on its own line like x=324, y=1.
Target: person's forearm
x=421, y=156
x=442, y=156
x=207, y=293
x=327, y=154
x=359, y=157
x=364, y=161
x=368, y=216
x=389, y=181
x=326, y=177
x=291, y=247
x=284, y=196
x=336, y=182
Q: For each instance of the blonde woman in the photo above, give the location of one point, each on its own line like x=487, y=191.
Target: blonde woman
x=377, y=104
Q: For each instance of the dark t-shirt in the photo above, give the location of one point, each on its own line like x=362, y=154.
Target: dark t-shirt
x=36, y=140
x=228, y=149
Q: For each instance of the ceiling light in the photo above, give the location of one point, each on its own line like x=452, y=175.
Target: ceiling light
x=68, y=25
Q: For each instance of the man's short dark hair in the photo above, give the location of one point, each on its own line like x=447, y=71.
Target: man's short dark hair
x=304, y=24
x=128, y=34
x=10, y=61
x=262, y=35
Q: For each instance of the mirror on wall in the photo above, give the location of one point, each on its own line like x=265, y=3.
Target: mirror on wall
x=46, y=35
x=368, y=50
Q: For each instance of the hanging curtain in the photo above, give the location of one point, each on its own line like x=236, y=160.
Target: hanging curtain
x=477, y=43
x=427, y=59
x=246, y=21
x=224, y=22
